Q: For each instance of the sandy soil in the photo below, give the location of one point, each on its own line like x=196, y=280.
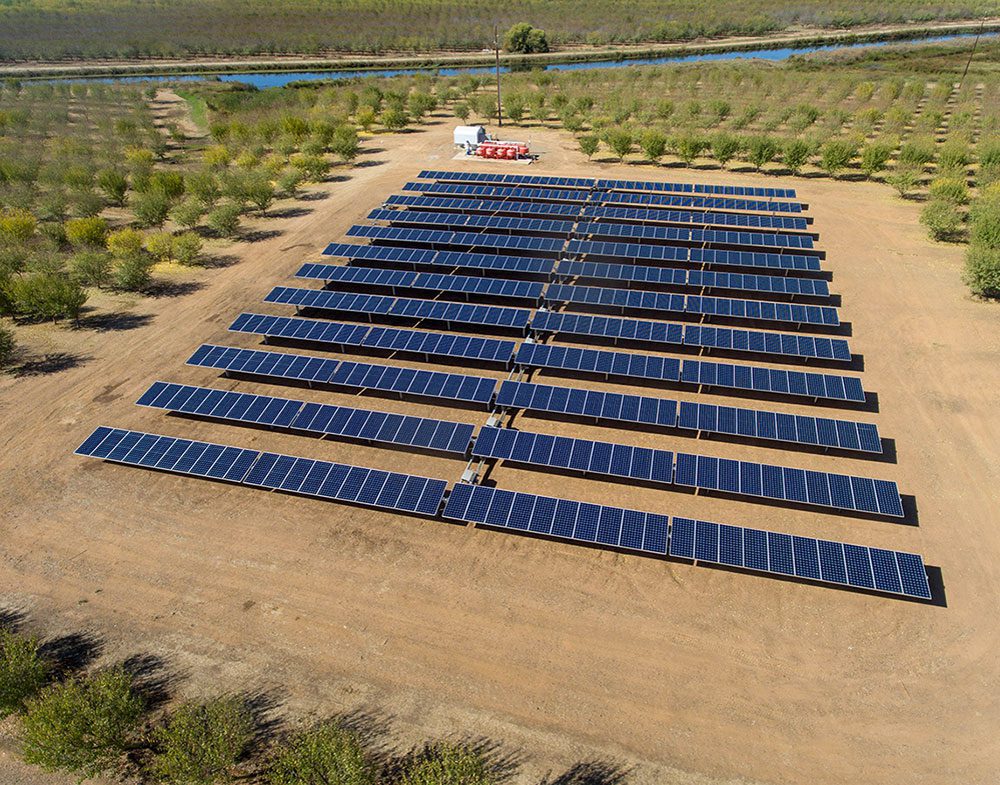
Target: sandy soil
x=558, y=654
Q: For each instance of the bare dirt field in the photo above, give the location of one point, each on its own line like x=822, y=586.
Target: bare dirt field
x=558, y=654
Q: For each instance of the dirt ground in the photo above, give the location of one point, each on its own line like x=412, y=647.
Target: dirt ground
x=558, y=655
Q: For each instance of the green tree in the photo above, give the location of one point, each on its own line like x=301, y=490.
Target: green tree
x=204, y=187
x=313, y=167
x=654, y=145
x=114, y=184
x=289, y=181
x=394, y=119
x=689, y=147
x=23, y=669
x=324, y=754
x=160, y=246
x=187, y=248
x=903, y=179
x=132, y=273
x=201, y=743
x=86, y=231
x=82, y=726
x=225, y=219
x=515, y=107
x=125, y=243
x=522, y=38
x=949, y=189
x=345, y=143
x=461, y=111
x=17, y=225
x=260, y=191
x=8, y=349
x=836, y=155
x=589, y=145
x=954, y=155
x=874, y=157
x=620, y=141
x=982, y=270
x=90, y=268
x=449, y=764
x=188, y=213
x=365, y=117
x=47, y=295
x=151, y=207
x=795, y=153
x=725, y=147
x=942, y=219
x=917, y=153
x=420, y=103
x=761, y=150
x=984, y=218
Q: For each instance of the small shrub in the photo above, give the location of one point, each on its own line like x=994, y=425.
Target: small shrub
x=132, y=273
x=201, y=743
x=984, y=220
x=187, y=248
x=904, y=180
x=225, y=219
x=47, y=295
x=949, y=189
x=942, y=219
x=954, y=155
x=125, y=243
x=151, y=207
x=188, y=213
x=916, y=153
x=90, y=268
x=836, y=155
x=114, y=184
x=82, y=726
x=259, y=191
x=17, y=225
x=160, y=246
x=321, y=755
x=394, y=119
x=8, y=350
x=874, y=157
x=23, y=670
x=982, y=270
x=86, y=231
x=448, y=764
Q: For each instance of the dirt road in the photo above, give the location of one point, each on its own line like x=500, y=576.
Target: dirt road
x=558, y=654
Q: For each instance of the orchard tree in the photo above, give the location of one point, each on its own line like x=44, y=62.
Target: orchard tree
x=321, y=755
x=522, y=38
x=725, y=147
x=620, y=141
x=201, y=743
x=23, y=669
x=654, y=145
x=589, y=145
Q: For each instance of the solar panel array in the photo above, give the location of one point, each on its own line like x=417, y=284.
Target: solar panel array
x=272, y=471
x=494, y=236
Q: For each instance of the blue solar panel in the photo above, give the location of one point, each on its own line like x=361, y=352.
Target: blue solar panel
x=465, y=220
x=716, y=203
x=363, y=376
x=699, y=372
x=588, y=403
x=674, y=234
x=490, y=206
x=702, y=256
x=750, y=221
x=492, y=264
x=499, y=191
x=772, y=426
x=462, y=285
x=365, y=336
x=593, y=524
x=401, y=307
x=700, y=279
x=783, y=483
x=826, y=561
x=507, y=179
x=322, y=479
x=665, y=333
x=634, y=366
x=345, y=421
x=547, y=245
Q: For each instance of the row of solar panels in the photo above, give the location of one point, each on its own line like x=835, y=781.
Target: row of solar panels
x=754, y=549
x=702, y=336
x=586, y=182
x=521, y=265
x=894, y=572
x=603, y=197
x=635, y=300
x=567, y=228
x=704, y=417
x=343, y=421
x=740, y=478
x=323, y=479
x=748, y=221
x=699, y=372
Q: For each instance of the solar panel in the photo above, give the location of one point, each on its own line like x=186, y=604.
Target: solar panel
x=361, y=376
x=710, y=202
x=394, y=339
x=704, y=417
x=401, y=307
x=705, y=256
x=344, y=421
x=499, y=192
x=666, y=333
x=511, y=179
x=701, y=279
x=695, y=188
x=783, y=483
x=433, y=282
x=699, y=372
x=304, y=476
x=826, y=561
x=644, y=300
x=492, y=264
x=594, y=524
x=675, y=234
x=581, y=455
x=549, y=245
x=463, y=220
x=458, y=204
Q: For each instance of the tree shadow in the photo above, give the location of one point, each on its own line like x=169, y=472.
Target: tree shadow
x=502, y=763
x=369, y=162
x=263, y=706
x=48, y=363
x=73, y=652
x=114, y=322
x=313, y=196
x=160, y=289
x=218, y=261
x=259, y=235
x=12, y=619
x=151, y=679
x=591, y=772
x=290, y=212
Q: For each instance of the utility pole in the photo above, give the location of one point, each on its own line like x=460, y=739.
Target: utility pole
x=496, y=51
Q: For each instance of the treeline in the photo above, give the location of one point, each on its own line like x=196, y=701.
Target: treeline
x=117, y=28
x=121, y=721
